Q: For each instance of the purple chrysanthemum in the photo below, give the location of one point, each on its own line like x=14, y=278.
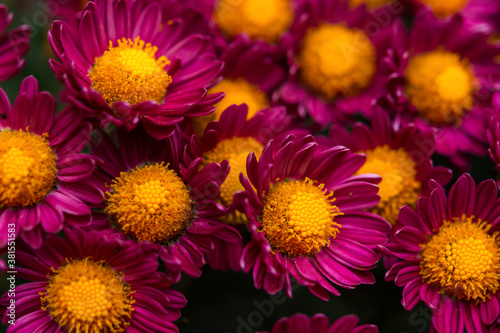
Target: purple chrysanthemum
x=120, y=66
x=449, y=255
x=335, y=60
x=154, y=197
x=443, y=75
x=14, y=45
x=45, y=179
x=307, y=218
x=86, y=282
x=319, y=323
x=401, y=156
x=493, y=133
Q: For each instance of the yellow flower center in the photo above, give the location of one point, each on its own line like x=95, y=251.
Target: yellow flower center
x=337, y=60
x=257, y=18
x=371, y=4
x=444, y=9
x=398, y=186
x=88, y=296
x=440, y=85
x=298, y=217
x=130, y=73
x=150, y=203
x=463, y=260
x=27, y=168
x=235, y=150
x=237, y=92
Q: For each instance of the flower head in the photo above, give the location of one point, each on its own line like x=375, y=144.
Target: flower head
x=87, y=282
x=156, y=73
x=449, y=255
x=45, y=180
x=307, y=218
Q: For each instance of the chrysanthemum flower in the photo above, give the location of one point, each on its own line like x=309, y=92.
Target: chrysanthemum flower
x=126, y=64
x=252, y=70
x=44, y=179
x=335, y=63
x=474, y=11
x=449, y=254
x=14, y=45
x=378, y=4
x=89, y=283
x=307, y=218
x=442, y=82
x=319, y=323
x=402, y=157
x=152, y=197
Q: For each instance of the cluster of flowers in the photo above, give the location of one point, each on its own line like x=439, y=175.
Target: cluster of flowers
x=290, y=139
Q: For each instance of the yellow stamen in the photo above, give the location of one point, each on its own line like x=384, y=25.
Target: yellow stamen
x=27, y=168
x=235, y=150
x=463, y=260
x=444, y=9
x=130, y=73
x=441, y=86
x=371, y=4
x=150, y=203
x=237, y=92
x=337, y=60
x=257, y=18
x=88, y=296
x=398, y=186
x=298, y=217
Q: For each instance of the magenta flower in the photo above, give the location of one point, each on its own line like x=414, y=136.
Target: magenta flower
x=442, y=82
x=401, y=156
x=88, y=283
x=153, y=197
x=335, y=62
x=119, y=66
x=449, y=255
x=307, y=218
x=299, y=323
x=14, y=45
x=45, y=180
x=493, y=133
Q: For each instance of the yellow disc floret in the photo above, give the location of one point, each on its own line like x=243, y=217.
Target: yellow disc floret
x=398, y=186
x=371, y=4
x=441, y=85
x=298, y=217
x=129, y=72
x=88, y=296
x=444, y=9
x=235, y=150
x=238, y=91
x=463, y=260
x=27, y=168
x=263, y=19
x=337, y=60
x=150, y=203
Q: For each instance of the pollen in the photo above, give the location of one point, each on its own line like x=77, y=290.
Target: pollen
x=441, y=85
x=235, y=150
x=130, y=72
x=88, y=296
x=150, y=203
x=463, y=260
x=337, y=60
x=27, y=168
x=298, y=217
x=444, y=9
x=398, y=186
x=371, y=4
x=259, y=19
x=237, y=91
